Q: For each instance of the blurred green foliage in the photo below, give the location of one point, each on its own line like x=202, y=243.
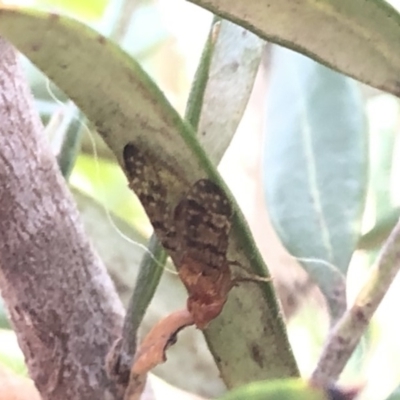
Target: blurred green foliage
x=87, y=10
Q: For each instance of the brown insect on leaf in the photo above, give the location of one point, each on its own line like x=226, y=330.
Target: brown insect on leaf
x=196, y=236
x=203, y=222
x=153, y=348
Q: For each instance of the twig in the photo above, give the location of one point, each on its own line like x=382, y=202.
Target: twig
x=349, y=329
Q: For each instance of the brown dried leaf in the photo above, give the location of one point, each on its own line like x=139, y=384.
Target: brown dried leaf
x=152, y=350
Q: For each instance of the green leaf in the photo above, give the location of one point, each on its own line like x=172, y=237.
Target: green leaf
x=235, y=61
x=356, y=37
x=125, y=105
x=383, y=112
x=288, y=389
x=315, y=167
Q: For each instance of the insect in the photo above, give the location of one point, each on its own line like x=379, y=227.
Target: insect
x=144, y=180
x=203, y=222
x=195, y=234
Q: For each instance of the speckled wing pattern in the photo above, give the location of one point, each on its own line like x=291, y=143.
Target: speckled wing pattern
x=203, y=223
x=145, y=182
x=195, y=234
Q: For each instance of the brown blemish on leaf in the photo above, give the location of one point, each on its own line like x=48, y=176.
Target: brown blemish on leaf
x=257, y=354
x=53, y=17
x=101, y=39
x=35, y=46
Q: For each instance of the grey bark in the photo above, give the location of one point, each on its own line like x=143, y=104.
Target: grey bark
x=62, y=304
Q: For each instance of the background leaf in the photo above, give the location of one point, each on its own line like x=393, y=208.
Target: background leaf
x=355, y=37
x=383, y=111
x=315, y=167
x=236, y=58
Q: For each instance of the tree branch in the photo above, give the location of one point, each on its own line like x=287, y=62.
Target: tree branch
x=61, y=301
x=347, y=333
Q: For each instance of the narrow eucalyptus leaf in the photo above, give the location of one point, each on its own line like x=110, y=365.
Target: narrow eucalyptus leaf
x=315, y=167
x=235, y=62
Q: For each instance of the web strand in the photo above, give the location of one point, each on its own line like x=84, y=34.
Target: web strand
x=107, y=212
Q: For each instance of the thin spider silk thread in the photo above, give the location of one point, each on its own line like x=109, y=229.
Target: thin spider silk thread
x=102, y=189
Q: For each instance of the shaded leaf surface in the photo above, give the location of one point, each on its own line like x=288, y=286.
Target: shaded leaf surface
x=315, y=167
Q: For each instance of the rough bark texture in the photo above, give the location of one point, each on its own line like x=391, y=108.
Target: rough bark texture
x=61, y=301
